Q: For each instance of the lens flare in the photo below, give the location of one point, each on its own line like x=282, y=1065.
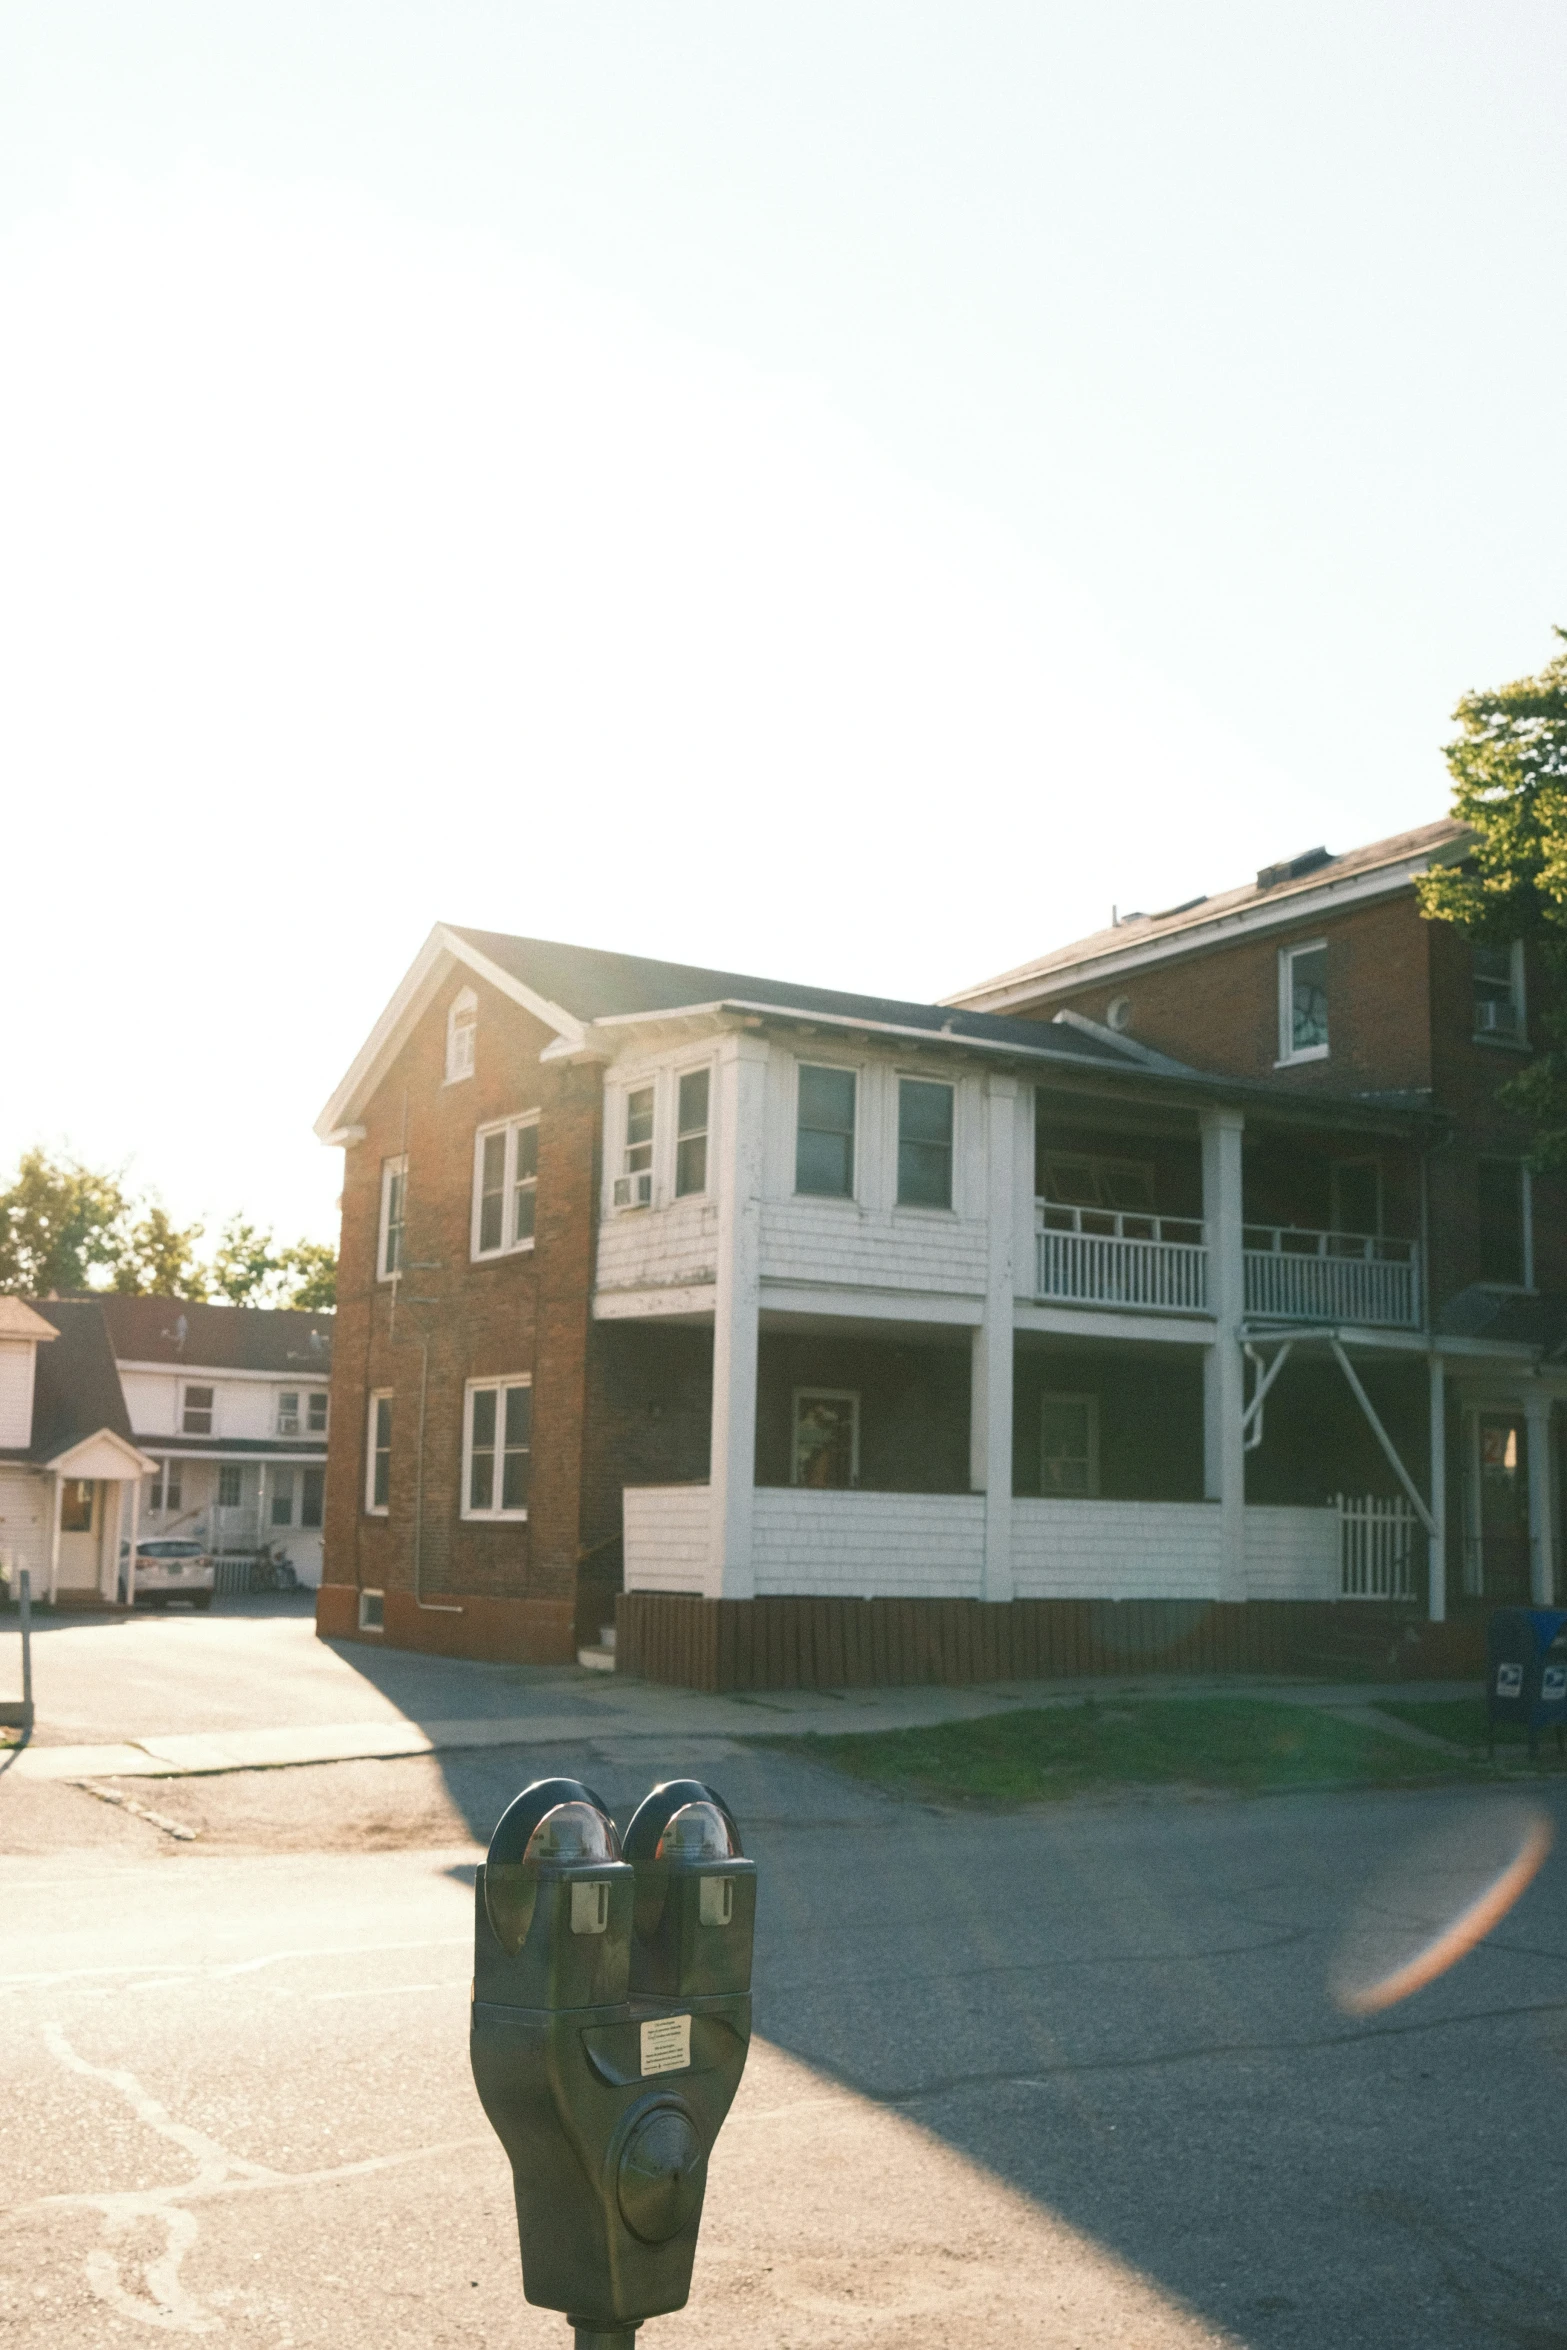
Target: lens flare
x=1437, y=1903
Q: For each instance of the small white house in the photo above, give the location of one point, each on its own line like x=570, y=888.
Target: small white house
x=69, y=1468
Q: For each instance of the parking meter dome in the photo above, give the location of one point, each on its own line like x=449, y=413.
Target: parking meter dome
x=555, y=1823
x=661, y=1831
x=698, y=1831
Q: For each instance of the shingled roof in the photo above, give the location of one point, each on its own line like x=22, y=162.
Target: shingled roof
x=218, y=1338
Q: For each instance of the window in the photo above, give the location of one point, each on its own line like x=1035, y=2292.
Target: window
x=165, y=1489
x=1355, y=1188
x=634, y=1183
x=1498, y=992
x=924, y=1144
x=826, y=1437
x=197, y=1419
x=691, y=1133
x=372, y=1611
x=76, y=1505
x=316, y=1421
x=288, y=1412
x=1504, y=1223
x=282, y=1510
x=312, y=1498
x=1303, y=1003
x=497, y=1448
x=824, y=1144
x=462, y=1023
x=394, y=1207
x=229, y=1485
x=378, y=1471
x=1075, y=1179
x=505, y=1187
x=1069, y=1446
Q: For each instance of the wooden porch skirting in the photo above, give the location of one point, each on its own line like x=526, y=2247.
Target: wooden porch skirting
x=867, y=1643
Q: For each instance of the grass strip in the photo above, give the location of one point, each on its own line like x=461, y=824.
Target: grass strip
x=1462, y=1720
x=1247, y=1745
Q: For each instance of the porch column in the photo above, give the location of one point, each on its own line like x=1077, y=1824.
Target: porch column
x=1224, y=1380
x=741, y=1110
x=990, y=1386
x=1542, y=1547
x=1436, y=1597
x=54, y=1536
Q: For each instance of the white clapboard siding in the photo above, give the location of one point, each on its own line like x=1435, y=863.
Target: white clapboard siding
x=868, y=1545
x=666, y=1538
x=659, y=1248
x=17, y=1359
x=833, y=1241
x=26, y=1519
x=1115, y=1549
x=1291, y=1553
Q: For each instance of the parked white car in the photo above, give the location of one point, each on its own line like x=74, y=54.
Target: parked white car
x=169, y=1568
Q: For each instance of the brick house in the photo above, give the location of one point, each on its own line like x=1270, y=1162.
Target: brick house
x=763, y=1297
x=1322, y=979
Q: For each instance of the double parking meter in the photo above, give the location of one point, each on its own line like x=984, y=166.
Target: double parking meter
x=611, y=2018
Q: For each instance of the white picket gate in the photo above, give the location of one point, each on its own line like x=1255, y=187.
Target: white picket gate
x=1376, y=1547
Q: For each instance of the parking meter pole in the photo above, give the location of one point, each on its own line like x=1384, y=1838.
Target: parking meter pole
x=596, y=2337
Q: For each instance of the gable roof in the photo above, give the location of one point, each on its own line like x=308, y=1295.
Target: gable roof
x=1296, y=889
x=219, y=1338
x=76, y=1386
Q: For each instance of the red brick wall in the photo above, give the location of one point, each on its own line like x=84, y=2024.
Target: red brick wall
x=522, y=1313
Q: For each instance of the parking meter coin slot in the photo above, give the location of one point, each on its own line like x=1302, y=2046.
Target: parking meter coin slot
x=576, y=1951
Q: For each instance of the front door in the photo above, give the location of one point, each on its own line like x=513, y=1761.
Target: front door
x=1498, y=1568
x=81, y=1527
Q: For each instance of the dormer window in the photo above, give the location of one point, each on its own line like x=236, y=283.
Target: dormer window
x=461, y=1023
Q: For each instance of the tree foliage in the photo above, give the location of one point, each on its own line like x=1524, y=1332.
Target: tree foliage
x=1509, y=770
x=66, y=1227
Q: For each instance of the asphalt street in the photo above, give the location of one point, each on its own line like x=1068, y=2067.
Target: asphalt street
x=1068, y=2077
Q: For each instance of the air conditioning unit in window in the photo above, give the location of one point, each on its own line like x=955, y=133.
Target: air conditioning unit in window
x=1496, y=1016
x=634, y=1191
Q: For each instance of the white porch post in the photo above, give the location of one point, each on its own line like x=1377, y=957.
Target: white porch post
x=130, y=1556
x=741, y=1108
x=990, y=1407
x=54, y=1536
x=109, y=1539
x=1436, y=1604
x=1224, y=1386
x=1542, y=1548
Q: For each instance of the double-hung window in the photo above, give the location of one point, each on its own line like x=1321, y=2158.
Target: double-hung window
x=288, y=1412
x=378, y=1456
x=394, y=1200
x=230, y=1487
x=283, y=1496
x=497, y=1448
x=1303, y=1002
x=164, y=1493
x=691, y=1100
x=824, y=1136
x=505, y=1186
x=312, y=1497
x=1506, y=1248
x=924, y=1143
x=316, y=1421
x=462, y=1022
x=196, y=1418
x=1498, y=992
x=1069, y=1446
x=634, y=1183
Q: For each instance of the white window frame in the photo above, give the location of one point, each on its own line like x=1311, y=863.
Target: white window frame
x=1524, y=1288
x=633, y=1190
x=288, y=1423
x=1515, y=1039
x=511, y=1128
x=323, y=1396
x=208, y=1388
x=374, y=1508
x=678, y=1135
x=849, y=1198
x=903, y=1207
x=1289, y=1056
x=1056, y=1395
x=496, y=1386
x=392, y=1170
x=850, y=1395
x=372, y=1610
x=231, y=1473
x=462, y=1025
x=281, y=1489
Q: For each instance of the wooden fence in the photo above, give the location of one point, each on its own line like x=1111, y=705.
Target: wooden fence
x=805, y=1643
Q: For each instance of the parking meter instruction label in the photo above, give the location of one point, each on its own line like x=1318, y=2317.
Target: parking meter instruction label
x=666, y=2045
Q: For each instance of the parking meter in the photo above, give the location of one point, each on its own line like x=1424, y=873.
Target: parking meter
x=611, y=2018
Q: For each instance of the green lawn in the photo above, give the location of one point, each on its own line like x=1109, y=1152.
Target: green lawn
x=1462, y=1719
x=1246, y=1744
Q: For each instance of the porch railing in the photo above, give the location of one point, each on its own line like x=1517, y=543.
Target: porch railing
x=1376, y=1547
x=1296, y=1275
x=1113, y=1257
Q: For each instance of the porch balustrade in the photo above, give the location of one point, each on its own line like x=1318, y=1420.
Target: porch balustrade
x=1296, y=1275
x=1114, y=1257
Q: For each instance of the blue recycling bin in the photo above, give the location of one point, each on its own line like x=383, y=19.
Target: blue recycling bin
x=1526, y=1672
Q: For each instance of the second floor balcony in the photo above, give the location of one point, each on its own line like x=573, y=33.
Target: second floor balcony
x=1141, y=1263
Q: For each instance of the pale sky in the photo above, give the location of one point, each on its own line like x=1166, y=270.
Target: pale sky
x=845, y=491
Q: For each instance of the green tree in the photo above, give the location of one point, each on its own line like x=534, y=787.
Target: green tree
x=60, y=1222
x=310, y=1267
x=250, y=1269
x=1509, y=770
x=158, y=1257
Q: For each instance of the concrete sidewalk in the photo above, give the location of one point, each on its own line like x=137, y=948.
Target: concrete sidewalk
x=574, y=1708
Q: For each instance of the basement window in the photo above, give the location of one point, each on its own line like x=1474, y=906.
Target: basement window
x=372, y=1611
